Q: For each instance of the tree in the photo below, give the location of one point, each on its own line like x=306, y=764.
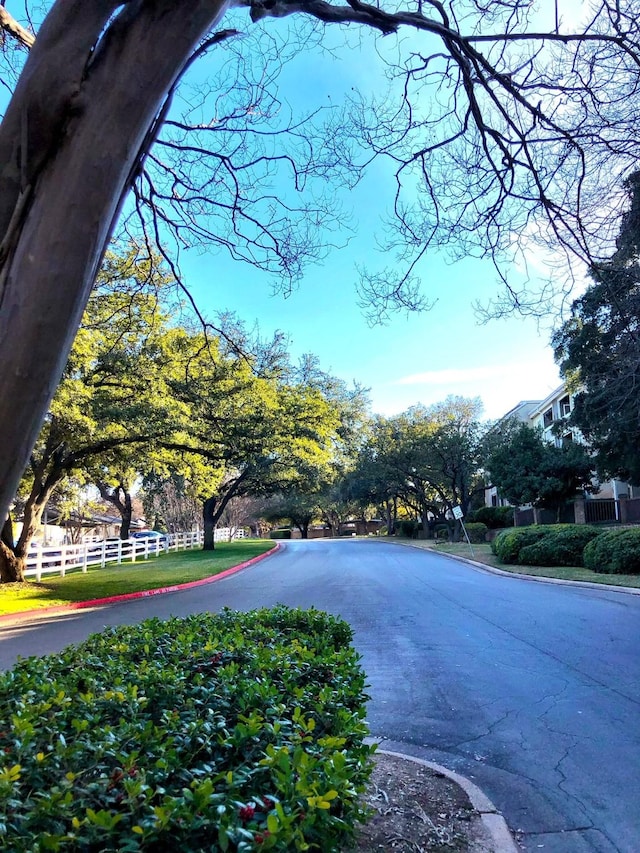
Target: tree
x=294, y=506
x=528, y=470
x=527, y=127
x=110, y=402
x=429, y=457
x=598, y=350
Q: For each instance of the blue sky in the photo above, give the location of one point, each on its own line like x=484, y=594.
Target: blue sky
x=420, y=358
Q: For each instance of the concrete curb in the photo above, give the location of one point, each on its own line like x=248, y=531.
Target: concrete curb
x=495, y=825
x=493, y=570
x=131, y=596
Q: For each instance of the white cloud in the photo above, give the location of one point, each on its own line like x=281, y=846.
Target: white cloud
x=468, y=375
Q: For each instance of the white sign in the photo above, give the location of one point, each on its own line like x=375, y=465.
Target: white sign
x=457, y=512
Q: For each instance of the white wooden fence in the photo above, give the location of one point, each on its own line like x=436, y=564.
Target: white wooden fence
x=58, y=559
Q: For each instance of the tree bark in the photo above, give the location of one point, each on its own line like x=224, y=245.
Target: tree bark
x=11, y=566
x=208, y=524
x=120, y=497
x=72, y=137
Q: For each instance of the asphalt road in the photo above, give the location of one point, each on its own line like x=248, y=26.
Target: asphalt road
x=532, y=690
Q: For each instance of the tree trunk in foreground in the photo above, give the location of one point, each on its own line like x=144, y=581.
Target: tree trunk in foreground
x=81, y=118
x=11, y=566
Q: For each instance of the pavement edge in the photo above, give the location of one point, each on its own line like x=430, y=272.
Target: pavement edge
x=495, y=825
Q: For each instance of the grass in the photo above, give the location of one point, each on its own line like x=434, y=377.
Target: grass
x=165, y=570
x=482, y=554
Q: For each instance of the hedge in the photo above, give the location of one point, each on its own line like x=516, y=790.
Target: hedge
x=493, y=516
x=280, y=534
x=561, y=545
x=508, y=544
x=235, y=732
x=476, y=532
x=614, y=552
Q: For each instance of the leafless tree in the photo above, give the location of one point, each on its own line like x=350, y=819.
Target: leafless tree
x=503, y=125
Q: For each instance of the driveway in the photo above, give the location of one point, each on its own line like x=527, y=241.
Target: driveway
x=530, y=689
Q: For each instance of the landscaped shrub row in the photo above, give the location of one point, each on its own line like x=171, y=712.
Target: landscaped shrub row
x=239, y=732
x=493, y=516
x=476, y=531
x=614, y=552
x=280, y=534
x=607, y=551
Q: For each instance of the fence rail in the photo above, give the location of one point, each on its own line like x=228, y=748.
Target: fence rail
x=601, y=510
x=58, y=559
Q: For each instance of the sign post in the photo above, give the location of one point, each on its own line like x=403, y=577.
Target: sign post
x=459, y=515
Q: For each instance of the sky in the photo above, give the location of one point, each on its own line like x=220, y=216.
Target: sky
x=420, y=358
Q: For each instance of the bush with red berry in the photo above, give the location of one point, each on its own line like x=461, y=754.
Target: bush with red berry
x=236, y=731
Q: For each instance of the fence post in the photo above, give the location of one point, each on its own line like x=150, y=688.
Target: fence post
x=85, y=555
x=63, y=561
x=623, y=509
x=580, y=512
x=38, y=565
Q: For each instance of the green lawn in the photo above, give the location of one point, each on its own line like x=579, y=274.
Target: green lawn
x=482, y=554
x=165, y=570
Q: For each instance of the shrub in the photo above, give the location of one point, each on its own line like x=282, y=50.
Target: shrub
x=476, y=532
x=283, y=533
x=441, y=531
x=409, y=528
x=507, y=545
x=493, y=516
x=238, y=732
x=561, y=545
x=614, y=552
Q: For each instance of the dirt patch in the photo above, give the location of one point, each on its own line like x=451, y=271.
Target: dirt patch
x=416, y=809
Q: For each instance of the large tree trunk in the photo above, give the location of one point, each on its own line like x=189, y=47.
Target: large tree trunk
x=208, y=524
x=70, y=142
x=11, y=567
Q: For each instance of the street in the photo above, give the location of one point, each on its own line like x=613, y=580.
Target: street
x=529, y=689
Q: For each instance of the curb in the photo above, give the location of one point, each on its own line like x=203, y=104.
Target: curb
x=495, y=825
x=131, y=596
x=493, y=570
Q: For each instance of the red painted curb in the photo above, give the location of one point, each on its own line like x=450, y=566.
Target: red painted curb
x=145, y=593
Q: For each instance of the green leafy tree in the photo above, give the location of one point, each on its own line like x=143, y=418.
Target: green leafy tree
x=253, y=424
x=429, y=457
x=598, y=351
x=526, y=469
x=111, y=401
x=296, y=507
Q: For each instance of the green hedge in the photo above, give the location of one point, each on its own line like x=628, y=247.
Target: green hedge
x=280, y=534
x=508, y=544
x=476, y=532
x=561, y=545
x=238, y=732
x=493, y=516
x=614, y=552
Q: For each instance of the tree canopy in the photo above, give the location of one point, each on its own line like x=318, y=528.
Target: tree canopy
x=503, y=120
x=526, y=469
x=598, y=350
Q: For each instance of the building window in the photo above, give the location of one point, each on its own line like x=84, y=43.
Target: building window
x=565, y=407
x=547, y=418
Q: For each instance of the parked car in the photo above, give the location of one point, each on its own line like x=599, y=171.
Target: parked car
x=150, y=534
